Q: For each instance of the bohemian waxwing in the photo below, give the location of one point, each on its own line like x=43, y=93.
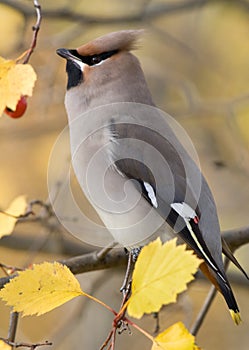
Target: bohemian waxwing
x=117, y=134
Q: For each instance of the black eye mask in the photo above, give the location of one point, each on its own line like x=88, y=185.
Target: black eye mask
x=75, y=74
x=93, y=59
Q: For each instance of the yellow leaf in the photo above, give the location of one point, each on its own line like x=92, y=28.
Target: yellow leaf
x=41, y=289
x=4, y=346
x=161, y=272
x=9, y=217
x=176, y=337
x=15, y=80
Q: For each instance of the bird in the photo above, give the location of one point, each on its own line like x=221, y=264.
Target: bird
x=129, y=162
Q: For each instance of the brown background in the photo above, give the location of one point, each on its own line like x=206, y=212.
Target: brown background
x=196, y=62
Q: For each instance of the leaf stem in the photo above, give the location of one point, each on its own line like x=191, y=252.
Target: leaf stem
x=100, y=302
x=123, y=308
x=146, y=334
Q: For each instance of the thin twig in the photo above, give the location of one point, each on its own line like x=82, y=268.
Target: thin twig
x=113, y=341
x=106, y=342
x=28, y=213
x=9, y=270
x=35, y=29
x=25, y=345
x=102, y=253
x=151, y=12
x=204, y=310
x=13, y=326
x=58, y=243
x=29, y=210
x=117, y=257
x=119, y=320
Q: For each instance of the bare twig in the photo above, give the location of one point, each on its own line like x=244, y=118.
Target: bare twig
x=107, y=340
x=36, y=29
x=117, y=257
x=235, y=238
x=113, y=341
x=89, y=262
x=12, y=269
x=25, y=345
x=149, y=12
x=58, y=243
x=102, y=253
x=25, y=215
x=119, y=321
x=204, y=310
x=13, y=326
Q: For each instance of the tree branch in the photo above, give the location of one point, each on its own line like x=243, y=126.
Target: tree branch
x=13, y=326
x=58, y=244
x=148, y=12
x=91, y=262
x=151, y=12
x=117, y=257
x=236, y=238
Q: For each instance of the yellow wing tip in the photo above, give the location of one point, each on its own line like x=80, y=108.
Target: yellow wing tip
x=235, y=316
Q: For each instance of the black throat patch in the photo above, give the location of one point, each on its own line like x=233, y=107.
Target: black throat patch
x=74, y=74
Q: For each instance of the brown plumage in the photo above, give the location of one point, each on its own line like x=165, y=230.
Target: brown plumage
x=124, y=40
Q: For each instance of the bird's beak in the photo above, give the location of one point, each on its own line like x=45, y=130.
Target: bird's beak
x=65, y=53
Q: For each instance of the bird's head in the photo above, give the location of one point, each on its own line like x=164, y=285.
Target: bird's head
x=104, y=71
x=101, y=58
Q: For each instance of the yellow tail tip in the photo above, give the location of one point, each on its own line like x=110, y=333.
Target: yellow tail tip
x=235, y=316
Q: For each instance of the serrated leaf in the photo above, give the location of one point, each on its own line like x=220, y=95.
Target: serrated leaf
x=9, y=217
x=176, y=337
x=4, y=346
x=161, y=272
x=41, y=289
x=16, y=80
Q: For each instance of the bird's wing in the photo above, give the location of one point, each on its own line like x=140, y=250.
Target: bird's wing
x=169, y=185
x=157, y=165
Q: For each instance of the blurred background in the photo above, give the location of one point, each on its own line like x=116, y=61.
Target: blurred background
x=195, y=55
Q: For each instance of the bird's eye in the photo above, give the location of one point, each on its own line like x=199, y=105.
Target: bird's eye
x=96, y=60
x=93, y=60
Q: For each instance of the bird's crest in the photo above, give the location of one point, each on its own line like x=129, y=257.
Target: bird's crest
x=124, y=40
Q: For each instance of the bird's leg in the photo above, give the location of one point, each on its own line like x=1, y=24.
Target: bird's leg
x=134, y=253
x=126, y=283
x=132, y=258
x=126, y=289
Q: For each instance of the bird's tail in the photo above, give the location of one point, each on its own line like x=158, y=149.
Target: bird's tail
x=221, y=283
x=229, y=297
x=229, y=254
